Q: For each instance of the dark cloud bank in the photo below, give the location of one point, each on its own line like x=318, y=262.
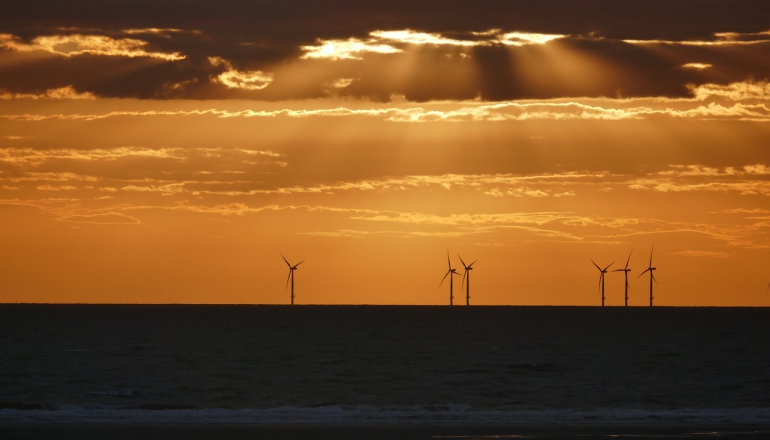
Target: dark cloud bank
x=268, y=36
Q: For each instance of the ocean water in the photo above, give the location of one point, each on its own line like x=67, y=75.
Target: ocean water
x=378, y=365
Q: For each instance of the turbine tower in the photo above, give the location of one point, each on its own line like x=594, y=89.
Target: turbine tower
x=650, y=269
x=291, y=276
x=601, y=277
x=626, y=270
x=450, y=273
x=467, y=275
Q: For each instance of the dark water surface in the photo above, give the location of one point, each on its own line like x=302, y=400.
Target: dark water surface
x=379, y=364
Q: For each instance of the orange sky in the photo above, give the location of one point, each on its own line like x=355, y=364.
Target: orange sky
x=370, y=155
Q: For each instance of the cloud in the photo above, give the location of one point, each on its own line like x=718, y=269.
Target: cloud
x=56, y=188
x=702, y=253
x=745, y=188
x=394, y=41
x=158, y=31
x=525, y=38
x=350, y=49
x=721, y=39
x=111, y=218
x=703, y=171
x=237, y=79
x=737, y=91
x=516, y=50
x=745, y=211
x=746, y=180
x=76, y=44
x=67, y=92
x=31, y=156
x=697, y=66
x=50, y=177
x=474, y=111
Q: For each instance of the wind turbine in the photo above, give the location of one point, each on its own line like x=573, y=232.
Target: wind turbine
x=467, y=274
x=626, y=270
x=601, y=277
x=453, y=272
x=291, y=276
x=650, y=269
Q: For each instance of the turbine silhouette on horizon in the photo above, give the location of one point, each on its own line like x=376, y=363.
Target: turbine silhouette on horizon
x=291, y=276
x=650, y=269
x=601, y=277
x=466, y=274
x=450, y=273
x=626, y=270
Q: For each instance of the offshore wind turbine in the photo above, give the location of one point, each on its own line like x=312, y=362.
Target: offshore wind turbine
x=450, y=273
x=466, y=274
x=601, y=277
x=626, y=270
x=650, y=269
x=291, y=276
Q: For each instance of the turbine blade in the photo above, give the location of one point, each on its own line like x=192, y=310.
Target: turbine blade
x=597, y=266
x=448, y=262
x=651, y=250
x=295, y=266
x=640, y=275
x=463, y=282
x=605, y=269
x=442, y=279
x=629, y=258
x=287, y=261
x=471, y=265
x=653, y=277
x=461, y=260
x=287, y=280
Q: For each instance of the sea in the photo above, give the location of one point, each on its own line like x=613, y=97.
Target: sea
x=411, y=371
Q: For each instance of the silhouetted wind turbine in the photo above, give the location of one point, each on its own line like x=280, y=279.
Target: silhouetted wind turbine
x=291, y=276
x=626, y=270
x=601, y=277
x=650, y=269
x=467, y=275
x=453, y=272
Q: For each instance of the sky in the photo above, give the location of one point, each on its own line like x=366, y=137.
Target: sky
x=170, y=151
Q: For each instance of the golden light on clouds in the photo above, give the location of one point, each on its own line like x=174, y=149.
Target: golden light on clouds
x=249, y=80
x=67, y=92
x=388, y=42
x=237, y=79
x=738, y=101
x=76, y=44
x=350, y=49
x=411, y=37
x=523, y=38
x=697, y=66
x=372, y=148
